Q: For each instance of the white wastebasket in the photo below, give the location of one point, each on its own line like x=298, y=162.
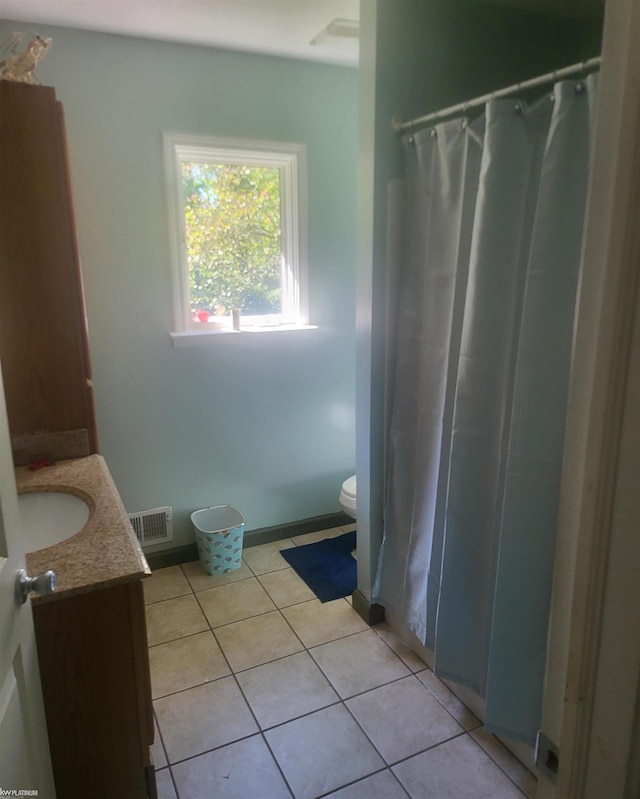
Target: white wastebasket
x=219, y=534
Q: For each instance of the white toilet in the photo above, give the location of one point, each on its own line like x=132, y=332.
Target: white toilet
x=348, y=496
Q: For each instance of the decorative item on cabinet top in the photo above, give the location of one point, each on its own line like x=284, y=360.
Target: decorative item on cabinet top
x=20, y=66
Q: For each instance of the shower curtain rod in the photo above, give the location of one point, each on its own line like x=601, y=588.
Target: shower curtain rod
x=550, y=77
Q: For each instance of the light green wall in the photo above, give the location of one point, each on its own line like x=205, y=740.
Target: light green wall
x=421, y=56
x=265, y=423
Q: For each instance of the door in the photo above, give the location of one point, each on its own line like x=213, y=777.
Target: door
x=24, y=754
x=591, y=708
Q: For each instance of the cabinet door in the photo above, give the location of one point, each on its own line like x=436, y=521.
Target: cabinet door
x=43, y=339
x=95, y=679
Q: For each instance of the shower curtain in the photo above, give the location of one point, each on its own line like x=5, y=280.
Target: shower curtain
x=494, y=224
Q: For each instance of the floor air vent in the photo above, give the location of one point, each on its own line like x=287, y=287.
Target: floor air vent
x=153, y=526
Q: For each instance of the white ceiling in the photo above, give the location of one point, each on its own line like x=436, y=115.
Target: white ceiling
x=278, y=27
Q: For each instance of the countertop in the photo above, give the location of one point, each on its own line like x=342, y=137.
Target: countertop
x=105, y=552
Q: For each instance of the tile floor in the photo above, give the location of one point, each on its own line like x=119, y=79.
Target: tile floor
x=262, y=692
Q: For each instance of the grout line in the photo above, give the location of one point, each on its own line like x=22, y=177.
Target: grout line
x=493, y=760
x=223, y=585
x=235, y=621
x=168, y=598
x=384, y=641
x=435, y=696
x=278, y=766
x=460, y=734
x=173, y=780
x=251, y=710
x=213, y=749
x=361, y=779
x=291, y=604
x=191, y=687
x=181, y=638
x=340, y=701
x=164, y=749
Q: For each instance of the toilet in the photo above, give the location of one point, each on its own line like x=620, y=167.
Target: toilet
x=348, y=496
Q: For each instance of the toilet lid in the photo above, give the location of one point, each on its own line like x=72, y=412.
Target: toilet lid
x=349, y=486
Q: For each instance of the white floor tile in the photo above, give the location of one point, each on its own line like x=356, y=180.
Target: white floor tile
x=202, y=718
x=200, y=580
x=449, y=700
x=382, y=785
x=457, y=769
x=349, y=528
x=514, y=769
x=174, y=618
x=234, y=602
x=402, y=718
x=185, y=663
x=318, y=535
x=399, y=647
x=285, y=689
x=318, y=622
x=242, y=770
x=255, y=641
x=157, y=749
x=358, y=663
x=165, y=584
x=322, y=752
x=266, y=557
x=208, y=724
x=286, y=588
x=164, y=784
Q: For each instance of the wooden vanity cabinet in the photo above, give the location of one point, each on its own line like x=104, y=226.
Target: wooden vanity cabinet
x=92, y=646
x=43, y=336
x=93, y=653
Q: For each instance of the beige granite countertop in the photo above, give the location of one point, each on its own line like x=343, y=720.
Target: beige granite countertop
x=105, y=552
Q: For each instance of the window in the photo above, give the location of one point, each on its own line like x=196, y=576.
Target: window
x=237, y=221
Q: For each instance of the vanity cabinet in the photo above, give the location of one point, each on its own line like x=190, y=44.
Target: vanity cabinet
x=43, y=336
x=95, y=680
x=92, y=641
x=91, y=636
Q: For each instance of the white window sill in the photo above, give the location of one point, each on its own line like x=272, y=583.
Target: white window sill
x=206, y=338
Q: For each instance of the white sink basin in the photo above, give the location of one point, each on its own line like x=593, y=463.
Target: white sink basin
x=49, y=517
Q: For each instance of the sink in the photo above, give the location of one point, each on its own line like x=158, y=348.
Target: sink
x=49, y=517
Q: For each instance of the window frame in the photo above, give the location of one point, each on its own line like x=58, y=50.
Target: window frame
x=290, y=159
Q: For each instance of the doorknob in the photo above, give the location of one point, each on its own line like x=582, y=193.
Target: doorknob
x=43, y=584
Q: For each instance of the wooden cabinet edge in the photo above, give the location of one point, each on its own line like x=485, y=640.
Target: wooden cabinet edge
x=94, y=666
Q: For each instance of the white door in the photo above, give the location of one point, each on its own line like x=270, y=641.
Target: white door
x=25, y=764
x=591, y=710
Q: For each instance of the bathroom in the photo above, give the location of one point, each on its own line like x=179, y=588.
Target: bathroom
x=266, y=424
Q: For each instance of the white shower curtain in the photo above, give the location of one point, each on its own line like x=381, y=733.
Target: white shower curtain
x=494, y=227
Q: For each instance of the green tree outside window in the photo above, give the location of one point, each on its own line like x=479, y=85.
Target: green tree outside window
x=233, y=238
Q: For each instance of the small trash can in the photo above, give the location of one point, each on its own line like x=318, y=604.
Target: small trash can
x=219, y=533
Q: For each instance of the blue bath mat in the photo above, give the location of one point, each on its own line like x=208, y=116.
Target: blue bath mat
x=327, y=567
